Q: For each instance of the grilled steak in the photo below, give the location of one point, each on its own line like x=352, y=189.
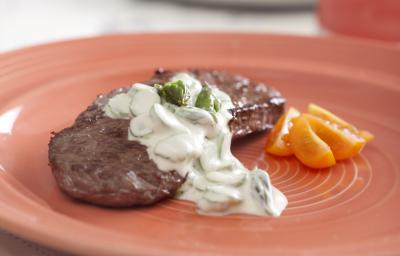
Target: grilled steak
x=95, y=162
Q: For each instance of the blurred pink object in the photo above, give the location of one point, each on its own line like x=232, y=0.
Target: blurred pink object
x=378, y=19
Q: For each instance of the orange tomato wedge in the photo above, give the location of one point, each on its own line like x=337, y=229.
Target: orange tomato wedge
x=366, y=135
x=276, y=143
x=343, y=142
x=317, y=138
x=307, y=146
x=329, y=116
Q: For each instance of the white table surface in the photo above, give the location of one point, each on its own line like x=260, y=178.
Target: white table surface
x=24, y=23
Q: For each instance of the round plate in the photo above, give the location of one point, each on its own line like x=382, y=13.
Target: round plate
x=350, y=209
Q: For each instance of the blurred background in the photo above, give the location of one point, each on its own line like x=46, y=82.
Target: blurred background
x=28, y=22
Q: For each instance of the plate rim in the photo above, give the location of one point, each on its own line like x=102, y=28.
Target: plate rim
x=336, y=38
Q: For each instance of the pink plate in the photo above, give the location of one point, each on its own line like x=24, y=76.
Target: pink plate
x=351, y=209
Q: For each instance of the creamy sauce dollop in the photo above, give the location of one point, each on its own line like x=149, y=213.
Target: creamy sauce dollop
x=196, y=143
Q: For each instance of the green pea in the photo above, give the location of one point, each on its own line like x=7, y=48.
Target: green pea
x=174, y=92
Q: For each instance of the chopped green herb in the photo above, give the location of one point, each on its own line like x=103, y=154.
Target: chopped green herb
x=217, y=105
x=174, y=92
x=207, y=101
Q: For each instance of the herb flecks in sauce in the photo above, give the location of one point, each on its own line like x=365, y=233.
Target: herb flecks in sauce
x=184, y=127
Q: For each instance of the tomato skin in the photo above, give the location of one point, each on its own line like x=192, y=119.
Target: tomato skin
x=343, y=142
x=308, y=147
x=276, y=143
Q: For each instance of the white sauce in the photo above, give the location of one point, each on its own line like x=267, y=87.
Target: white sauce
x=196, y=143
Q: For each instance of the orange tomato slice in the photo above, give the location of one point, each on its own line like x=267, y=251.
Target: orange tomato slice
x=317, y=138
x=366, y=135
x=307, y=146
x=343, y=142
x=329, y=116
x=276, y=143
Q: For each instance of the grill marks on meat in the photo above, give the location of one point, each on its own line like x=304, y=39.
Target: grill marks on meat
x=95, y=162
